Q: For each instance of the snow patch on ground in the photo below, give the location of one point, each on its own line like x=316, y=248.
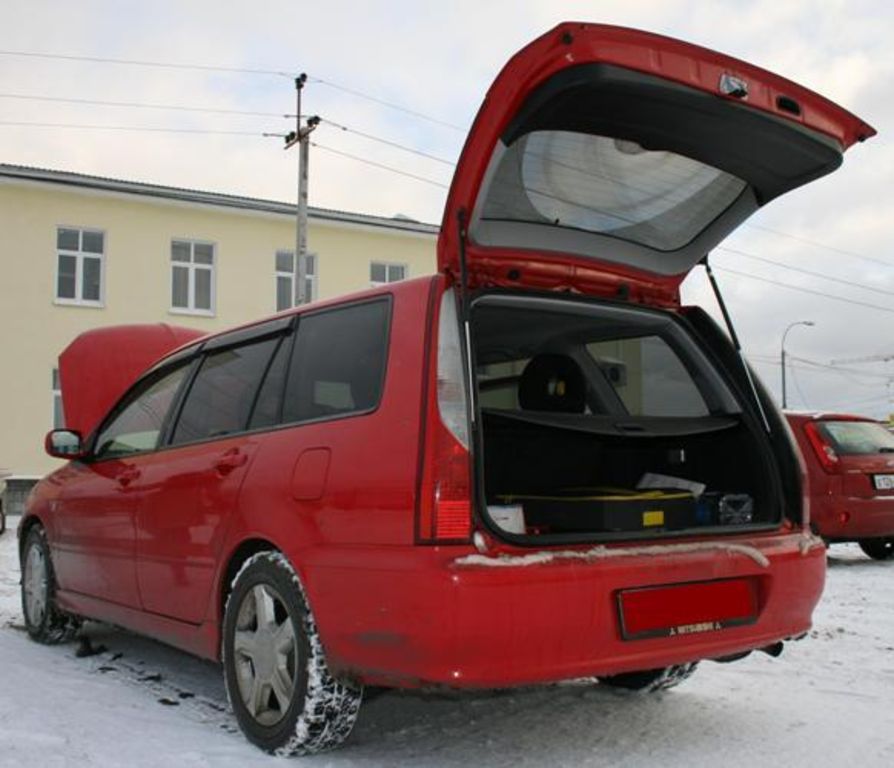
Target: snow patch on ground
x=828, y=699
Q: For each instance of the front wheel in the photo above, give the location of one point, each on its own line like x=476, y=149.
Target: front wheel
x=651, y=680
x=43, y=620
x=284, y=696
x=878, y=549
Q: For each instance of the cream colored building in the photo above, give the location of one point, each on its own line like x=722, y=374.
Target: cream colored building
x=80, y=252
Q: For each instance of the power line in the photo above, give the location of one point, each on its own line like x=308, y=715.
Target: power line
x=816, y=244
x=240, y=71
x=775, y=362
x=142, y=105
x=378, y=165
x=387, y=142
x=132, y=128
x=147, y=63
x=803, y=271
x=798, y=387
x=389, y=104
x=840, y=369
x=804, y=290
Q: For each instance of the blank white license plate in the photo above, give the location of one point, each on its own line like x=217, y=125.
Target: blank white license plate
x=883, y=482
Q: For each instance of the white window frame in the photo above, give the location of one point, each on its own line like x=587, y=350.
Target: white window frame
x=387, y=265
x=292, y=276
x=80, y=255
x=56, y=385
x=192, y=267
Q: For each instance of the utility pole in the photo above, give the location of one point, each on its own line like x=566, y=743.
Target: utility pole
x=301, y=137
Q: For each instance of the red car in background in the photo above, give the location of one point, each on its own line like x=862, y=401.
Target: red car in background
x=850, y=462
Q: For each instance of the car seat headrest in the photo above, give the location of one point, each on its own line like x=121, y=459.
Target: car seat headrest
x=552, y=382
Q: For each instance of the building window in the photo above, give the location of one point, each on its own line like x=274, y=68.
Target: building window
x=286, y=276
x=79, y=266
x=192, y=277
x=381, y=273
x=58, y=414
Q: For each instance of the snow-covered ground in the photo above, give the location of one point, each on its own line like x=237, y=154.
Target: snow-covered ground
x=828, y=700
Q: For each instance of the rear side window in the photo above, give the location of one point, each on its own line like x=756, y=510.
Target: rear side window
x=852, y=438
x=266, y=412
x=338, y=364
x=223, y=392
x=139, y=421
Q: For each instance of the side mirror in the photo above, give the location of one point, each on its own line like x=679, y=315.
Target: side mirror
x=64, y=444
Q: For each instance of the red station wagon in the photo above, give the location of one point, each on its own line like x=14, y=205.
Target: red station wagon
x=535, y=465
x=850, y=463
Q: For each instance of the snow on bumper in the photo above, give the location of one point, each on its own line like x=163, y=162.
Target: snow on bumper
x=431, y=616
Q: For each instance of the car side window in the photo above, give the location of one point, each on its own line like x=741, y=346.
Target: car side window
x=338, y=364
x=267, y=407
x=141, y=417
x=222, y=394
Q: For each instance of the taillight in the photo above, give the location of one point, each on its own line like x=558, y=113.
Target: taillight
x=822, y=447
x=445, y=504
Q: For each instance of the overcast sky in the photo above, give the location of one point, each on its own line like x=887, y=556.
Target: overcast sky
x=438, y=59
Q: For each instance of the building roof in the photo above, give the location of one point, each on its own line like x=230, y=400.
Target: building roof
x=102, y=183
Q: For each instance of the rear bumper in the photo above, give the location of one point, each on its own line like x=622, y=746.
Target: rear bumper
x=867, y=517
x=445, y=616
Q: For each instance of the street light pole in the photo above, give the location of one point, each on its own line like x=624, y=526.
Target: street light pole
x=809, y=323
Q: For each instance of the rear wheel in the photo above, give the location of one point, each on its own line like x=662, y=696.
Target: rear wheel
x=878, y=549
x=282, y=692
x=651, y=680
x=43, y=620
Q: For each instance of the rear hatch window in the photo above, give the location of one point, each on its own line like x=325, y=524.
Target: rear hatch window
x=609, y=186
x=857, y=438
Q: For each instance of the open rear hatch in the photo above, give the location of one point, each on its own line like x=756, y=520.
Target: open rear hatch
x=608, y=162
x=605, y=156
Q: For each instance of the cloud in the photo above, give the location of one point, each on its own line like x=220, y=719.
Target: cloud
x=439, y=59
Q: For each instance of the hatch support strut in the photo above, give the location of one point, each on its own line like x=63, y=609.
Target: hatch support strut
x=465, y=314
x=735, y=339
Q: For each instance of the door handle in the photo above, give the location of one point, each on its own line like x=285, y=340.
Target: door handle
x=127, y=476
x=232, y=459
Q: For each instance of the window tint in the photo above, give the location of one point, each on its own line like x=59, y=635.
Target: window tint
x=220, y=398
x=266, y=412
x=138, y=424
x=608, y=185
x=498, y=384
x=544, y=355
x=338, y=363
x=649, y=377
x=855, y=438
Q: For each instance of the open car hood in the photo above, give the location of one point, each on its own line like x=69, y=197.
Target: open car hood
x=606, y=158
x=99, y=366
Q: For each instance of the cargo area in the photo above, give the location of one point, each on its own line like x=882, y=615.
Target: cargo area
x=605, y=421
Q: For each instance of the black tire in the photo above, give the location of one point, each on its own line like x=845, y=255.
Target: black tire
x=299, y=707
x=878, y=549
x=651, y=680
x=43, y=620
